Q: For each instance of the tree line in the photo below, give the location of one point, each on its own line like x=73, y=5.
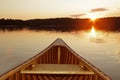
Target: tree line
x=108, y=23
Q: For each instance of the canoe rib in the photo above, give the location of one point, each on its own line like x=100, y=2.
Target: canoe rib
x=57, y=53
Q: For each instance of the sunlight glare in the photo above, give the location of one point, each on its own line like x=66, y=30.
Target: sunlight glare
x=93, y=17
x=93, y=32
x=96, y=36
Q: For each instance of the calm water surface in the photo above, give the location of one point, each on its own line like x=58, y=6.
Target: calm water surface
x=102, y=51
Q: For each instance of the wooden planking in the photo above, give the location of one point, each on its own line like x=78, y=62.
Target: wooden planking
x=24, y=77
x=51, y=77
x=76, y=77
x=67, y=57
x=81, y=78
x=40, y=77
x=34, y=77
x=57, y=77
x=91, y=77
x=59, y=54
x=17, y=76
x=11, y=78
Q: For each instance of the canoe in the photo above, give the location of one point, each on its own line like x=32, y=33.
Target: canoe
x=57, y=62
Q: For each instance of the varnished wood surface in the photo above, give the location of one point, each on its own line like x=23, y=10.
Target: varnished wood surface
x=56, y=69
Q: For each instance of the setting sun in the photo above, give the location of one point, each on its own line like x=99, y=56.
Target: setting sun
x=93, y=17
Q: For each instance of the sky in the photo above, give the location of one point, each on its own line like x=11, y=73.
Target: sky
x=31, y=9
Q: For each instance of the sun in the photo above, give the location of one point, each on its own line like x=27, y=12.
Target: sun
x=93, y=17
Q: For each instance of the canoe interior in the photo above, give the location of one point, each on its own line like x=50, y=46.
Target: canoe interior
x=55, y=54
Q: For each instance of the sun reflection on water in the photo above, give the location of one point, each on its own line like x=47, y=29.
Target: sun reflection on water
x=96, y=36
x=93, y=32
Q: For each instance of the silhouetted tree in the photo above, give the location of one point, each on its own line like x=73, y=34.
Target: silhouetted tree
x=108, y=23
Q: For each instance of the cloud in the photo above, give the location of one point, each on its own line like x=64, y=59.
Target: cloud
x=77, y=15
x=92, y=11
x=98, y=10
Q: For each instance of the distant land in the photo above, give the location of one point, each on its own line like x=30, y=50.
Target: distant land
x=63, y=24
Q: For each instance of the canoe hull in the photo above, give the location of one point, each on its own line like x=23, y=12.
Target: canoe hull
x=55, y=54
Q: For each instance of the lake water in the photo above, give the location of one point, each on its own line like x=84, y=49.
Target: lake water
x=102, y=50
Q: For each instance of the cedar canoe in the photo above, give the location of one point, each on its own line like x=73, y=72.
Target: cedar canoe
x=57, y=62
